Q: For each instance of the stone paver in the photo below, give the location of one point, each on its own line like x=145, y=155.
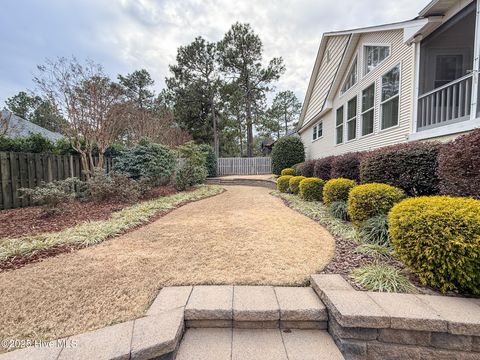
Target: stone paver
x=255, y=303
x=156, y=335
x=112, y=342
x=355, y=309
x=310, y=345
x=257, y=344
x=462, y=315
x=407, y=312
x=300, y=303
x=210, y=303
x=169, y=298
x=33, y=353
x=206, y=344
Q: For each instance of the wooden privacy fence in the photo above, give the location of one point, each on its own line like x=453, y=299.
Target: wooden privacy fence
x=244, y=166
x=25, y=170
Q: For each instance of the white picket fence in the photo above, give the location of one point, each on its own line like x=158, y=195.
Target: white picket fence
x=244, y=166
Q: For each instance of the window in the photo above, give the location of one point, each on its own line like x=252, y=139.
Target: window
x=372, y=56
x=351, y=77
x=368, y=101
x=317, y=131
x=390, y=94
x=352, y=119
x=339, y=126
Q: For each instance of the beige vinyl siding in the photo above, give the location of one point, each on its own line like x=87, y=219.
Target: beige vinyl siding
x=325, y=76
x=400, y=53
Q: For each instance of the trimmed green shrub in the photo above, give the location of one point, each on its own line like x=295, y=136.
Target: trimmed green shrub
x=346, y=166
x=339, y=210
x=369, y=200
x=410, y=166
x=337, y=190
x=193, y=171
x=294, y=184
x=283, y=183
x=154, y=161
x=438, y=237
x=459, y=166
x=311, y=189
x=384, y=278
x=34, y=143
x=116, y=186
x=307, y=168
x=211, y=159
x=375, y=230
x=288, y=171
x=323, y=168
x=287, y=152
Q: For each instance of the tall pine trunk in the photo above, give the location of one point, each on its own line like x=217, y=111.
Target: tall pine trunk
x=249, y=128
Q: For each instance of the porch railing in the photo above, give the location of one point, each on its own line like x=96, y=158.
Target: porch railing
x=446, y=104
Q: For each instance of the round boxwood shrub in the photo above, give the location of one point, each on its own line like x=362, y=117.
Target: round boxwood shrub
x=438, y=237
x=369, y=200
x=411, y=167
x=323, y=167
x=346, y=166
x=287, y=152
x=459, y=166
x=288, y=171
x=311, y=189
x=283, y=183
x=294, y=184
x=337, y=190
x=307, y=168
x=147, y=159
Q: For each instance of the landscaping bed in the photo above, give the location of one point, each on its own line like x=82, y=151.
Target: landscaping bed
x=31, y=221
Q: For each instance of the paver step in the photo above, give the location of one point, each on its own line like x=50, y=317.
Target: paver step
x=257, y=344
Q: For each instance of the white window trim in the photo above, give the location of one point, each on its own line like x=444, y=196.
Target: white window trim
x=354, y=118
x=316, y=126
x=369, y=109
x=380, y=63
x=337, y=126
x=348, y=73
x=393, y=97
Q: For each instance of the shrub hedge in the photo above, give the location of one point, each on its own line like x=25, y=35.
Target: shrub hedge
x=322, y=168
x=307, y=168
x=311, y=189
x=337, y=190
x=294, y=184
x=287, y=152
x=288, y=171
x=459, y=166
x=438, y=237
x=283, y=183
x=369, y=200
x=411, y=167
x=346, y=166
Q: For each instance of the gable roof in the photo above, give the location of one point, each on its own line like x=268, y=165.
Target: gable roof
x=19, y=127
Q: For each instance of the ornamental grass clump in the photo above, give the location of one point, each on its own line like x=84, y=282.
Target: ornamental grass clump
x=382, y=277
x=438, y=237
x=375, y=230
x=283, y=183
x=337, y=190
x=294, y=184
x=369, y=200
x=339, y=210
x=311, y=189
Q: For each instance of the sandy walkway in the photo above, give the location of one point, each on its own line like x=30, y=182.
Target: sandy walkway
x=243, y=236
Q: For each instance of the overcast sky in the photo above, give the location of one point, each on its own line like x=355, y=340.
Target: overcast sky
x=125, y=35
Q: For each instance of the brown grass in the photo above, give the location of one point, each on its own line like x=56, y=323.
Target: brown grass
x=243, y=236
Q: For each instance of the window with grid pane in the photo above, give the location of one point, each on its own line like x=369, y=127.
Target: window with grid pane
x=372, y=56
x=368, y=102
x=317, y=131
x=352, y=119
x=351, y=77
x=390, y=95
x=339, y=126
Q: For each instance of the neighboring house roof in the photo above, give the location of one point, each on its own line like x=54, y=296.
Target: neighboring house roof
x=19, y=127
x=332, y=77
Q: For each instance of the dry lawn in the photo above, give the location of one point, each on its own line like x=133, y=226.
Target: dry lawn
x=243, y=236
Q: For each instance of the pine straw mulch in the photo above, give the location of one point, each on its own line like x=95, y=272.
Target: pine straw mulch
x=30, y=221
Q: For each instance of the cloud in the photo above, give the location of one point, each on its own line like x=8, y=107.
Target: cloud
x=125, y=35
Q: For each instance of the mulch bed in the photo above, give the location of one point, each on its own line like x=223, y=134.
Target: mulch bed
x=29, y=221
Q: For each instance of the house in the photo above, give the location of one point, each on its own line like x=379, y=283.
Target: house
x=19, y=127
x=406, y=81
